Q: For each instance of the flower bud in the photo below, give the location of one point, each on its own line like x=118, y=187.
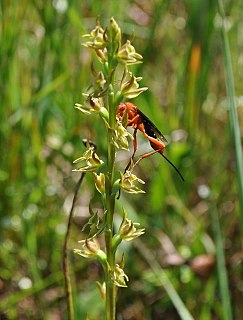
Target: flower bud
x=99, y=182
x=100, y=80
x=102, y=55
x=115, y=33
x=102, y=289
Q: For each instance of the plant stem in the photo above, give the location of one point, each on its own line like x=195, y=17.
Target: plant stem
x=110, y=205
x=68, y=287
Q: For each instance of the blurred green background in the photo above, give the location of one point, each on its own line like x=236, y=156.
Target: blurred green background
x=189, y=226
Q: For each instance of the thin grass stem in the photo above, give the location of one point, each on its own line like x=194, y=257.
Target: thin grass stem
x=233, y=115
x=222, y=272
x=164, y=281
x=68, y=286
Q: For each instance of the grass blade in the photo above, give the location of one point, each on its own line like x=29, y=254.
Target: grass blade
x=234, y=122
x=221, y=268
x=164, y=281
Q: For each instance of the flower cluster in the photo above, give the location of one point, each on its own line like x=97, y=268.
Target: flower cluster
x=110, y=86
x=107, y=44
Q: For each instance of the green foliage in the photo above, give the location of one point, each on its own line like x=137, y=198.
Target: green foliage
x=44, y=70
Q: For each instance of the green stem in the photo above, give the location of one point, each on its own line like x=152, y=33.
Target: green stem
x=110, y=205
x=68, y=287
x=109, y=70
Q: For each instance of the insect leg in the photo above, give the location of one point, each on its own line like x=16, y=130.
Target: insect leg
x=134, y=149
x=157, y=145
x=146, y=155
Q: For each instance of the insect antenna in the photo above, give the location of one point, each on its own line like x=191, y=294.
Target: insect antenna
x=173, y=166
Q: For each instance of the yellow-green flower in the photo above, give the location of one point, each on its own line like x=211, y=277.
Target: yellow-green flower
x=128, y=55
x=120, y=136
x=90, y=248
x=128, y=229
x=118, y=277
x=90, y=159
x=96, y=39
x=130, y=87
x=127, y=182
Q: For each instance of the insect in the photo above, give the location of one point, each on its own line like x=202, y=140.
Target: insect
x=134, y=117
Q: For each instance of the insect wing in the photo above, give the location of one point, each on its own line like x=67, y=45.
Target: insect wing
x=151, y=128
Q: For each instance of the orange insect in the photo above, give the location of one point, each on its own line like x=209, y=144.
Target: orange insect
x=138, y=121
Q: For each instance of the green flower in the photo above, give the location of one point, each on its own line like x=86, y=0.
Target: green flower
x=90, y=105
x=90, y=248
x=90, y=159
x=118, y=277
x=128, y=55
x=96, y=39
x=127, y=182
x=130, y=87
x=93, y=105
x=120, y=136
x=99, y=182
x=129, y=230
